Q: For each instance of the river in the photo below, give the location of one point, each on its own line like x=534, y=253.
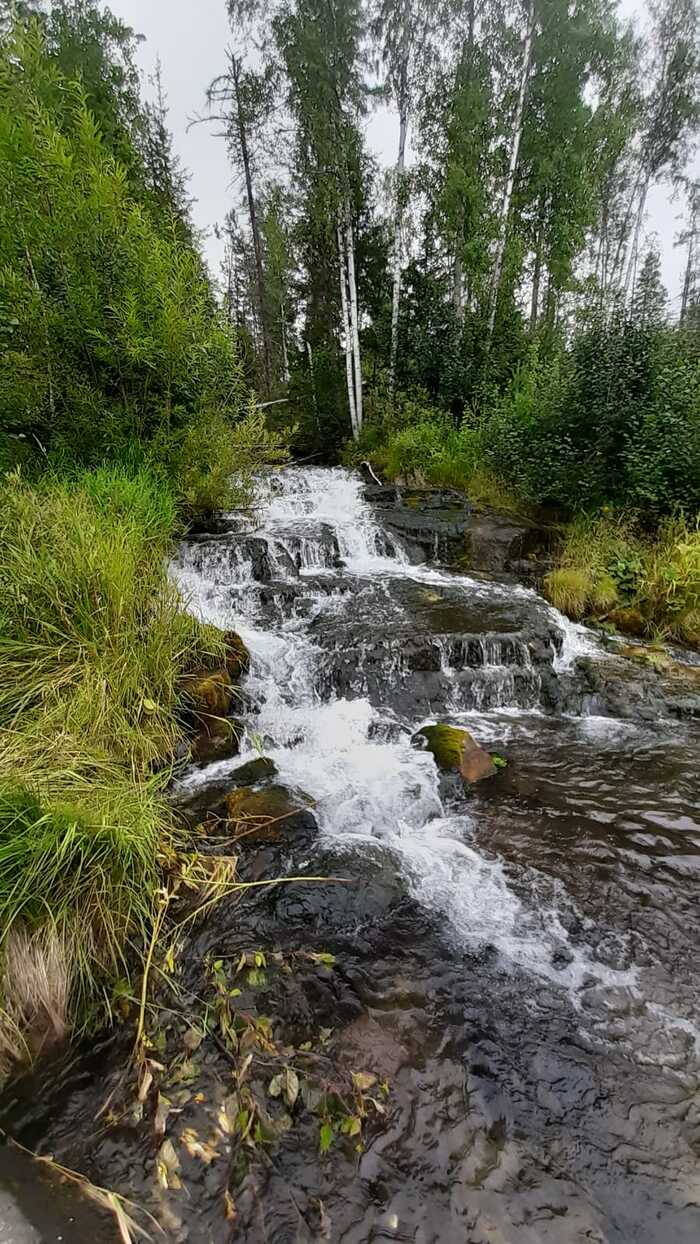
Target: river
x=519, y=965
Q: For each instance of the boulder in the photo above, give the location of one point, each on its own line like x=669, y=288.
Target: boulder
x=218, y=738
x=266, y=815
x=455, y=750
x=237, y=656
x=253, y=771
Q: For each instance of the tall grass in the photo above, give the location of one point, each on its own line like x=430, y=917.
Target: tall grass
x=92, y=636
x=93, y=646
x=607, y=560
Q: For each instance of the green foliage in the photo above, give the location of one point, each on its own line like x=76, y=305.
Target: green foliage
x=108, y=323
x=92, y=637
x=607, y=559
x=214, y=463
x=616, y=418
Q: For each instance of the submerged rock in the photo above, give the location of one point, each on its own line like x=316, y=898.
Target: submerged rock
x=455, y=749
x=267, y=815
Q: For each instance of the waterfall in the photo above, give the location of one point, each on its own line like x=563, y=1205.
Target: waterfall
x=347, y=591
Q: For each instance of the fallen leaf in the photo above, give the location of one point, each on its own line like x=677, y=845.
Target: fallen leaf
x=162, y=1111
x=291, y=1086
x=363, y=1080
x=276, y=1085
x=325, y=1137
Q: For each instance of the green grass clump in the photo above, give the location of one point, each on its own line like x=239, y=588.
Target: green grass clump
x=93, y=639
x=88, y=867
x=94, y=644
x=669, y=588
x=569, y=589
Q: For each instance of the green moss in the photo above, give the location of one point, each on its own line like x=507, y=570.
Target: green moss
x=446, y=744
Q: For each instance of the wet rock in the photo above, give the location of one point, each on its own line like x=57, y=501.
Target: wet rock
x=218, y=738
x=455, y=749
x=237, y=656
x=254, y=771
x=267, y=815
x=207, y=693
x=496, y=542
x=206, y=800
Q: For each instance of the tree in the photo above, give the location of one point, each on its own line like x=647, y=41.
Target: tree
x=319, y=43
x=671, y=112
x=690, y=237
x=247, y=96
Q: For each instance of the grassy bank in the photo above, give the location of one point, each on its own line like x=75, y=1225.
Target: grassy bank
x=93, y=645
x=644, y=582
x=633, y=566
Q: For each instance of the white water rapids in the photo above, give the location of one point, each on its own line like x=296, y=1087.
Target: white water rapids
x=357, y=762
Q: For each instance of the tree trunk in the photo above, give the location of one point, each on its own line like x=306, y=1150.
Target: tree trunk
x=346, y=333
x=513, y=164
x=354, y=324
x=252, y=212
x=285, y=356
x=314, y=399
x=398, y=231
x=634, y=248
x=537, y=271
x=458, y=287
x=688, y=278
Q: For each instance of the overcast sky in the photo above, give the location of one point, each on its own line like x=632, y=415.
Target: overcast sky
x=190, y=40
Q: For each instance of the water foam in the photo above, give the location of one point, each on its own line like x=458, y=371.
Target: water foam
x=365, y=787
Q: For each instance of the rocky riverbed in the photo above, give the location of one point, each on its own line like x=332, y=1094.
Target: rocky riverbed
x=473, y=1015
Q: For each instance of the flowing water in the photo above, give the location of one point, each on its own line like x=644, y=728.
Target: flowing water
x=519, y=964
x=549, y=1032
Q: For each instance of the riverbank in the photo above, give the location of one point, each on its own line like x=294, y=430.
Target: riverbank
x=479, y=990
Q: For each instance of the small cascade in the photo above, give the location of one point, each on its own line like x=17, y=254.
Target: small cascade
x=353, y=647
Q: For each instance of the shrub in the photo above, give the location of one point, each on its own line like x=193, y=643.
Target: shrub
x=213, y=465
x=669, y=589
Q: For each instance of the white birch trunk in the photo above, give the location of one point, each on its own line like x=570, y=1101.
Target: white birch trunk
x=354, y=326
x=346, y=333
x=398, y=232
x=630, y=275
x=513, y=164
x=688, y=278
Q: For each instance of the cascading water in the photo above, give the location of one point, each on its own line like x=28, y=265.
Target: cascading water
x=352, y=752
x=512, y=969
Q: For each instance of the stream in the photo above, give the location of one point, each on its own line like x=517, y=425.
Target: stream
x=518, y=964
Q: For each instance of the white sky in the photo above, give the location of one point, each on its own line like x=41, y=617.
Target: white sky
x=190, y=40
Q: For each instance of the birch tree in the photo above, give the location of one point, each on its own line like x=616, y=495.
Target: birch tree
x=244, y=98
x=402, y=30
x=319, y=43
x=516, y=135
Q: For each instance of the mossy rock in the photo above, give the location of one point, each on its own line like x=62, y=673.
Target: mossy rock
x=266, y=815
x=237, y=656
x=254, y=771
x=454, y=749
x=654, y=657
x=629, y=620
x=218, y=738
x=207, y=692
